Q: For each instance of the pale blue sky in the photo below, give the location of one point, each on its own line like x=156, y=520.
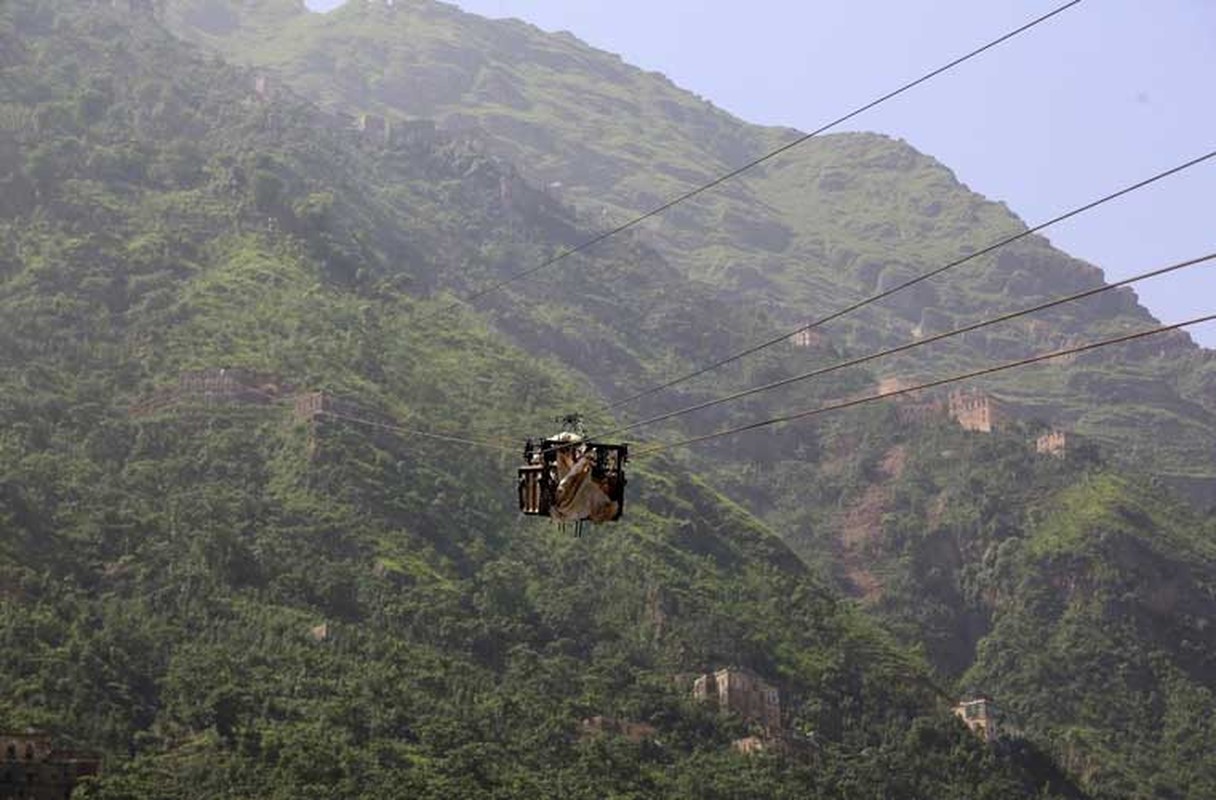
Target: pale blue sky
x=1108, y=93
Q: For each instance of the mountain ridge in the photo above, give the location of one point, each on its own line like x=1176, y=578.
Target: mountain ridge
x=242, y=599
x=843, y=216
x=229, y=597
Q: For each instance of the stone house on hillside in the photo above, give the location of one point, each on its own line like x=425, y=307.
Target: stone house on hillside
x=974, y=410
x=806, y=338
x=1053, y=443
x=742, y=692
x=980, y=716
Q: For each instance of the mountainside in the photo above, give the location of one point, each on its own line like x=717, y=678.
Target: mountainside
x=1080, y=598
x=257, y=525
x=829, y=223
x=230, y=592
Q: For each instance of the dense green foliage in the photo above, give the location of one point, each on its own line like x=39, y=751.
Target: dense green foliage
x=162, y=574
x=834, y=220
x=1082, y=600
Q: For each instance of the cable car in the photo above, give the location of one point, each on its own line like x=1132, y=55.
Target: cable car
x=568, y=478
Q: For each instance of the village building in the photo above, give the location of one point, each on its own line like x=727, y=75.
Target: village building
x=806, y=338
x=1053, y=443
x=311, y=408
x=741, y=692
x=314, y=409
x=891, y=385
x=28, y=746
x=755, y=701
x=980, y=715
x=974, y=410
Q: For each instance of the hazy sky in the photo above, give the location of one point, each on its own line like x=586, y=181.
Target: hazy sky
x=1107, y=93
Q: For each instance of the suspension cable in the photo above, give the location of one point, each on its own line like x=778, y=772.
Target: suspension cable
x=688, y=195
x=911, y=282
x=279, y=400
x=921, y=387
x=909, y=345
x=443, y=437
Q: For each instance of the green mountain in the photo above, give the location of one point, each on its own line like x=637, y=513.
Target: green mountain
x=1078, y=597
x=230, y=594
x=824, y=225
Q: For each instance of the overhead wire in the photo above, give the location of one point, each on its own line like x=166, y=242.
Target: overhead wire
x=415, y=432
x=701, y=189
x=909, y=283
x=838, y=406
x=909, y=345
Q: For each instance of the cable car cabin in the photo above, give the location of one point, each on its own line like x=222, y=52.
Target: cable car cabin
x=569, y=479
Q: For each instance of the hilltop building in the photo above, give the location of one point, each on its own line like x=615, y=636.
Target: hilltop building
x=744, y=693
x=31, y=768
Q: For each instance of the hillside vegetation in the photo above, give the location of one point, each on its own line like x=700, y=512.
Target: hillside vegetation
x=828, y=223
x=842, y=217
x=230, y=600
x=1080, y=598
x=230, y=595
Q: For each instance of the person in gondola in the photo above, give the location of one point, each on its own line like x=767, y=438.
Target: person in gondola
x=570, y=479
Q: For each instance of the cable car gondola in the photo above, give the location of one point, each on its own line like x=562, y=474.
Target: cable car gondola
x=568, y=478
